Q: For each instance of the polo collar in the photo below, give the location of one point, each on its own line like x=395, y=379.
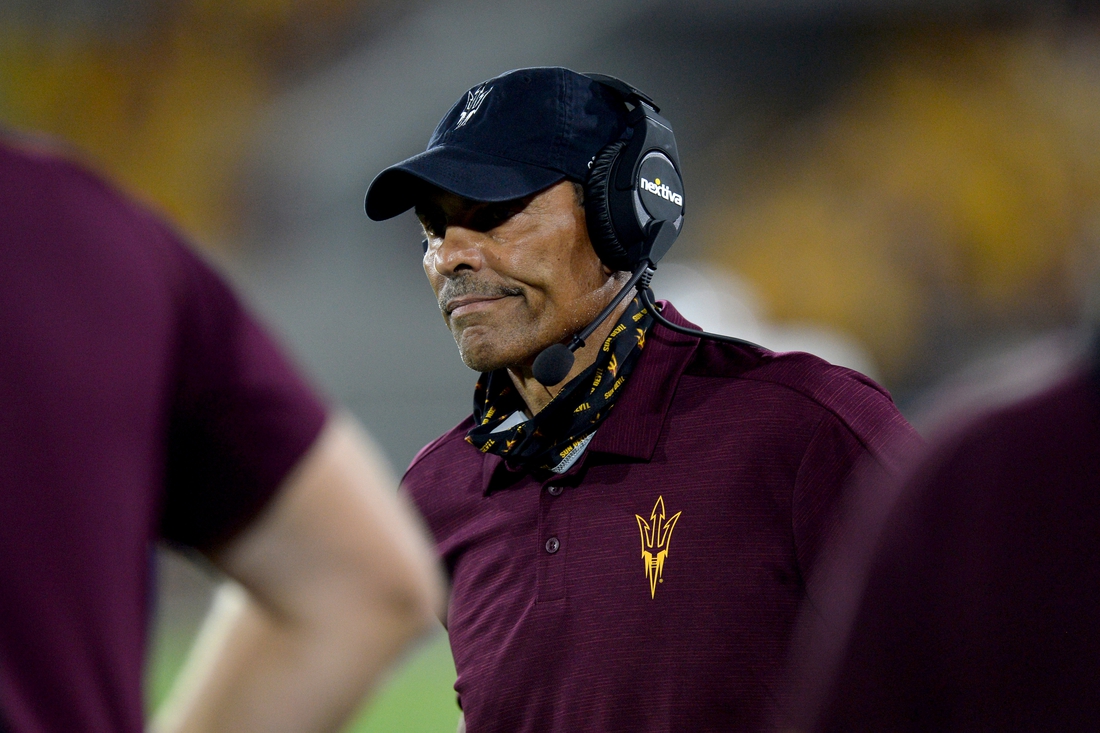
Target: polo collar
x=633, y=428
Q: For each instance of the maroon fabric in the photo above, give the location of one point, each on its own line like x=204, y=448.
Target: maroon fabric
x=750, y=448
x=980, y=607
x=130, y=379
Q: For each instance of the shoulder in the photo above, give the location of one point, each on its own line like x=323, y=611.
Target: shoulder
x=53, y=198
x=797, y=377
x=23, y=153
x=444, y=454
x=42, y=166
x=446, y=480
x=796, y=382
x=1061, y=420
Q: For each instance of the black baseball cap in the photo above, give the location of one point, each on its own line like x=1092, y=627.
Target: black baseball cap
x=506, y=138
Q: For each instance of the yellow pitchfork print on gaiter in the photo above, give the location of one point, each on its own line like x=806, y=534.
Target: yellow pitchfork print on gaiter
x=656, y=535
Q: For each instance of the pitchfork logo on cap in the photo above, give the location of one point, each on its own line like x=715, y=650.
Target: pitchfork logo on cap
x=656, y=536
x=474, y=98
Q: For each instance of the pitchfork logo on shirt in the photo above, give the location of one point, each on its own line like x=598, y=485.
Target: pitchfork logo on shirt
x=656, y=535
x=474, y=98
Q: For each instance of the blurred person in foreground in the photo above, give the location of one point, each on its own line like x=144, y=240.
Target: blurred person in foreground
x=627, y=546
x=966, y=599
x=139, y=401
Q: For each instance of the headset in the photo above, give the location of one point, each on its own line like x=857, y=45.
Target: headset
x=634, y=204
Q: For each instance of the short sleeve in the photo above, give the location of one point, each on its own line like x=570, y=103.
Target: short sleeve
x=827, y=464
x=835, y=459
x=240, y=418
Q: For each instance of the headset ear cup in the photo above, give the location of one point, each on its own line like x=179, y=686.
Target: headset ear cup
x=597, y=209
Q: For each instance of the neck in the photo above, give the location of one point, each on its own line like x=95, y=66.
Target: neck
x=535, y=394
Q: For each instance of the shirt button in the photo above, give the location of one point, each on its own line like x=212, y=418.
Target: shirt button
x=555, y=490
x=552, y=545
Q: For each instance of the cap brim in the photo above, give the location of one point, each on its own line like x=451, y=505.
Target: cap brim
x=475, y=176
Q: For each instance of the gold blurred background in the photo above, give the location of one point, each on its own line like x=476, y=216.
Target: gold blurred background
x=948, y=189
x=164, y=95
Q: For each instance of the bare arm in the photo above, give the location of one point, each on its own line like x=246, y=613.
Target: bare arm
x=336, y=579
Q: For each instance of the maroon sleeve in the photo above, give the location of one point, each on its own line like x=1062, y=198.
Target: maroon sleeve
x=241, y=416
x=868, y=434
x=829, y=460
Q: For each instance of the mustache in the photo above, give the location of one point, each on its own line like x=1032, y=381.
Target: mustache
x=464, y=285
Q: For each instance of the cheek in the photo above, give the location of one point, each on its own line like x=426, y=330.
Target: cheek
x=551, y=272
x=588, y=267
x=575, y=279
x=435, y=280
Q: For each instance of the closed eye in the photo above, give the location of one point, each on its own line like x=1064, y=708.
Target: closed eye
x=432, y=219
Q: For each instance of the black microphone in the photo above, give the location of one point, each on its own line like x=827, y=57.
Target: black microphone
x=554, y=362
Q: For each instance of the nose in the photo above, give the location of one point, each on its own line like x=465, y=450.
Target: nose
x=458, y=249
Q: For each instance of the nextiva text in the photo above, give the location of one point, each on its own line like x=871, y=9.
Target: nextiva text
x=659, y=189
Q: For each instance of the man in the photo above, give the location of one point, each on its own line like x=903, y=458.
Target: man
x=627, y=549
x=138, y=399
x=977, y=609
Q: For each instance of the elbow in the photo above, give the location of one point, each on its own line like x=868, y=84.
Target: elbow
x=414, y=599
x=400, y=600
x=414, y=615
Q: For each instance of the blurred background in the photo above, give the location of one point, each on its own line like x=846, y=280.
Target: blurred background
x=908, y=188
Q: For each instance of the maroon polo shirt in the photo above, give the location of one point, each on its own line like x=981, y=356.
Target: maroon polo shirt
x=980, y=607
x=654, y=585
x=138, y=399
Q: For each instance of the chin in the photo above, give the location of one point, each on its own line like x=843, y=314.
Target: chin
x=477, y=364
x=482, y=357
x=483, y=362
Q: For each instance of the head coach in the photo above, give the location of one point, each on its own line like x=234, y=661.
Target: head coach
x=628, y=528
